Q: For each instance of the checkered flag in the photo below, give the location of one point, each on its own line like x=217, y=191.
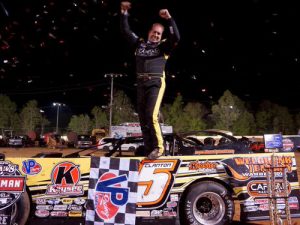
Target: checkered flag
x=112, y=191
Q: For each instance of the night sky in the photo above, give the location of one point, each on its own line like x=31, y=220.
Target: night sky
x=60, y=50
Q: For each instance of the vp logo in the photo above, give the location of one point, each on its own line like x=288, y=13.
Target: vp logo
x=110, y=195
x=31, y=167
x=104, y=186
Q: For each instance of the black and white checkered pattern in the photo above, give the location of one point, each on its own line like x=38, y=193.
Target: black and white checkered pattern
x=126, y=213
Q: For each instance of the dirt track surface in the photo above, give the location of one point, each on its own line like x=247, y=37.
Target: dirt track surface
x=30, y=152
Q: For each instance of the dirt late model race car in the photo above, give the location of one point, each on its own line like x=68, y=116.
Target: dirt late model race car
x=196, y=183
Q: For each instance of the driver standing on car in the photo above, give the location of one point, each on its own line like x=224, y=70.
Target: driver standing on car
x=151, y=57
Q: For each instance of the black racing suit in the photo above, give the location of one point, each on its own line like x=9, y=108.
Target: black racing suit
x=151, y=59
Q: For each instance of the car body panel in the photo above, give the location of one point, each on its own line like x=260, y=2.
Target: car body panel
x=234, y=171
x=169, y=178
x=16, y=141
x=105, y=144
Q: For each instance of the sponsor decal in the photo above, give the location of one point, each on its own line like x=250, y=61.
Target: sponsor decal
x=280, y=206
x=65, y=177
x=156, y=180
x=12, y=184
x=54, y=201
x=244, y=168
x=75, y=207
x=4, y=219
x=75, y=214
x=79, y=201
x=248, y=203
x=203, y=166
x=42, y=213
x=59, y=214
x=7, y=168
x=5, y=198
x=293, y=202
x=264, y=207
x=60, y=207
x=293, y=199
x=169, y=212
x=271, y=150
x=40, y=201
x=44, y=207
x=31, y=167
x=110, y=195
x=147, y=52
x=171, y=204
x=143, y=213
x=288, y=145
x=259, y=188
x=214, y=152
x=280, y=201
x=250, y=208
x=174, y=198
x=261, y=201
x=294, y=206
x=67, y=201
x=156, y=213
x=159, y=165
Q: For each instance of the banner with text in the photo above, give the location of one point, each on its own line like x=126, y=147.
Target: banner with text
x=112, y=191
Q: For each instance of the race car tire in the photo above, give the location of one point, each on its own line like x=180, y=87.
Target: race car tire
x=21, y=210
x=207, y=203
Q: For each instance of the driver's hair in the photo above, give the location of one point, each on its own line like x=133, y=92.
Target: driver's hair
x=157, y=24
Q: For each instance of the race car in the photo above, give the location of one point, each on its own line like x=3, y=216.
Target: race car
x=195, y=183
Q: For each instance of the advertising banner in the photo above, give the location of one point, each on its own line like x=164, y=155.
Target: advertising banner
x=112, y=191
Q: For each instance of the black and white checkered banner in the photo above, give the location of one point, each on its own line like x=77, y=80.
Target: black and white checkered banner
x=112, y=191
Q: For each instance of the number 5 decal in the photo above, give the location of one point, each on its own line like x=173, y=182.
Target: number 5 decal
x=156, y=178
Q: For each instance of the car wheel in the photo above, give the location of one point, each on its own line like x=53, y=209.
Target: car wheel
x=21, y=210
x=207, y=203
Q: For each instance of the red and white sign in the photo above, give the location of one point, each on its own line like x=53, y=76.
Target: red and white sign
x=12, y=184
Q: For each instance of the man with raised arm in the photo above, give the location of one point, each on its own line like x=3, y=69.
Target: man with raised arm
x=151, y=56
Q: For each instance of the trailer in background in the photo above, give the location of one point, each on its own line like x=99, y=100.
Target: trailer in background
x=133, y=129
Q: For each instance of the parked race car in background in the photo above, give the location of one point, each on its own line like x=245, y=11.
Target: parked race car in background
x=15, y=141
x=107, y=144
x=20, y=141
x=84, y=141
x=194, y=182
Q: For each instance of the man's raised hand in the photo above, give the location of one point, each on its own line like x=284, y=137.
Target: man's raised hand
x=125, y=6
x=164, y=13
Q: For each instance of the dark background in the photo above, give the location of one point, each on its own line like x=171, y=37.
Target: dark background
x=59, y=51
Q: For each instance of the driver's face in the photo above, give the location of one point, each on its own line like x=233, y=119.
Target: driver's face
x=155, y=33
